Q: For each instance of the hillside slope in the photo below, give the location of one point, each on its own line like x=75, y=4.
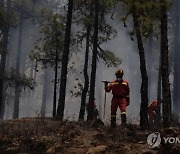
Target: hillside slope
x=37, y=135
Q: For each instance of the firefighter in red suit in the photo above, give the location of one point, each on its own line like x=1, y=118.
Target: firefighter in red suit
x=152, y=111
x=120, y=91
x=95, y=109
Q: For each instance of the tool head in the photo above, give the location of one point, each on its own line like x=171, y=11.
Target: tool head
x=106, y=81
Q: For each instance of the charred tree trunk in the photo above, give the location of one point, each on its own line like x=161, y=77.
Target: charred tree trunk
x=18, y=60
x=3, y=64
x=86, y=78
x=101, y=90
x=55, y=79
x=2, y=70
x=144, y=85
x=62, y=90
x=94, y=62
x=166, y=95
x=85, y=71
x=149, y=66
x=159, y=91
x=176, y=84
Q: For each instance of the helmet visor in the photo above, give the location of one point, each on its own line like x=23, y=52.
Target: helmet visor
x=119, y=75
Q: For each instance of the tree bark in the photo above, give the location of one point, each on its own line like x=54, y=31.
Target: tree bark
x=94, y=63
x=2, y=71
x=176, y=83
x=62, y=90
x=3, y=63
x=55, y=79
x=18, y=60
x=85, y=70
x=150, y=61
x=159, y=91
x=86, y=78
x=166, y=95
x=144, y=85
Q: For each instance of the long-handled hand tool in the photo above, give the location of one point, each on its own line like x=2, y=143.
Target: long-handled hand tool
x=105, y=83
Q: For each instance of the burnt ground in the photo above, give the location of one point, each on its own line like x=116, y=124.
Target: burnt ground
x=37, y=135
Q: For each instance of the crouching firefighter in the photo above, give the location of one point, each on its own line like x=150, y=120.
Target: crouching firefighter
x=95, y=110
x=120, y=91
x=152, y=112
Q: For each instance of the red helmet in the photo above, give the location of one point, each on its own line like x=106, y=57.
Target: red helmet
x=119, y=72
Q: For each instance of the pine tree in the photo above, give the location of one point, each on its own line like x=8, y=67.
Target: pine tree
x=94, y=62
x=166, y=95
x=176, y=83
x=65, y=56
x=85, y=70
x=5, y=33
x=144, y=85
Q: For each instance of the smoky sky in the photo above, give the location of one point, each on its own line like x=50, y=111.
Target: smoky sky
x=122, y=46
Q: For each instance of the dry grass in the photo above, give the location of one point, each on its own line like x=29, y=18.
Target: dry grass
x=46, y=135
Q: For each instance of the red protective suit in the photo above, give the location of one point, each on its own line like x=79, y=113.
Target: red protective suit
x=120, y=91
x=152, y=109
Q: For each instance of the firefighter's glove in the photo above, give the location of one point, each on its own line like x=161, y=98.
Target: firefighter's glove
x=105, y=85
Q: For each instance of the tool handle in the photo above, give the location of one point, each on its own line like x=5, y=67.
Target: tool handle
x=104, y=105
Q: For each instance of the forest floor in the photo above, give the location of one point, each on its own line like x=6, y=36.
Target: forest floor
x=37, y=135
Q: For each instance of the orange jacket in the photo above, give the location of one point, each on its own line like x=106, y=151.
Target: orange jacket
x=119, y=89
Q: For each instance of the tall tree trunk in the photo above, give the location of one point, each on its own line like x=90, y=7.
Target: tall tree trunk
x=55, y=80
x=144, y=85
x=18, y=60
x=85, y=70
x=176, y=83
x=159, y=91
x=3, y=64
x=6, y=88
x=86, y=78
x=166, y=95
x=101, y=90
x=149, y=66
x=62, y=90
x=94, y=63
